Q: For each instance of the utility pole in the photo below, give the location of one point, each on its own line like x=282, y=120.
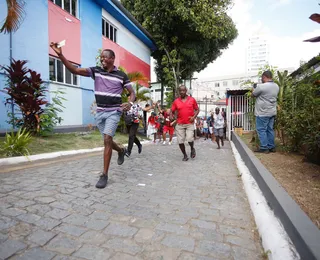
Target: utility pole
x=206, y=106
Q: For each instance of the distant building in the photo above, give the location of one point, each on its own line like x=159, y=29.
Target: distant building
x=257, y=53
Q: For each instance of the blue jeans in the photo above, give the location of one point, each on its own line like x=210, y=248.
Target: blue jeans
x=265, y=132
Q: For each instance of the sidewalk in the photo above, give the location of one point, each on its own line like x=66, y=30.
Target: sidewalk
x=154, y=207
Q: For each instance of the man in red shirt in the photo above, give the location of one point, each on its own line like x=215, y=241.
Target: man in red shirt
x=186, y=110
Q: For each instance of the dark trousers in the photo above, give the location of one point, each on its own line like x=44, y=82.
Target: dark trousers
x=132, y=131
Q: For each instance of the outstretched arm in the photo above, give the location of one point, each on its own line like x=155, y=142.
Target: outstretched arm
x=68, y=64
x=146, y=109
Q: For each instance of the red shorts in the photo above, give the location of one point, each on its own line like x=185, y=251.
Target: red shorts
x=169, y=129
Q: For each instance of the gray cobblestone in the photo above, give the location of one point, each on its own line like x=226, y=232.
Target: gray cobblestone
x=36, y=254
x=185, y=211
x=13, y=212
x=38, y=209
x=92, y=252
x=41, y=237
x=58, y=213
x=203, y=224
x=178, y=229
x=120, y=230
x=76, y=219
x=45, y=199
x=71, y=230
x=183, y=243
x=3, y=237
x=48, y=223
x=10, y=247
x=214, y=249
x=96, y=224
x=63, y=245
x=123, y=245
x=93, y=237
x=29, y=218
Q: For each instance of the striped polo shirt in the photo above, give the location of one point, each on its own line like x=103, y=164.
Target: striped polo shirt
x=108, y=87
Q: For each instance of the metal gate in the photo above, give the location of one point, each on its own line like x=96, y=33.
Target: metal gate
x=238, y=113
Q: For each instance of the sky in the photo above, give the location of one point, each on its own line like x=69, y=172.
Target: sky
x=285, y=23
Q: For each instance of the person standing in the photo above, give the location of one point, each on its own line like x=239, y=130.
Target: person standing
x=185, y=109
x=132, y=126
x=205, y=129
x=168, y=124
x=265, y=111
x=152, y=126
x=218, y=125
x=109, y=82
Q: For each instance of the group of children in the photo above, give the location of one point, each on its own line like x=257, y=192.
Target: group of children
x=161, y=124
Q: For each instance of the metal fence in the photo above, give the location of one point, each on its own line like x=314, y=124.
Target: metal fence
x=238, y=113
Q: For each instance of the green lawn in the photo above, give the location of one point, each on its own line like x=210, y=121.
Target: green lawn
x=70, y=141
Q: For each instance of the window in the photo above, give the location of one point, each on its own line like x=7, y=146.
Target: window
x=225, y=83
x=109, y=30
x=71, y=6
x=59, y=73
x=217, y=84
x=235, y=82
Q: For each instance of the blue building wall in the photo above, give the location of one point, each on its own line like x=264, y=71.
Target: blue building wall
x=91, y=42
x=29, y=43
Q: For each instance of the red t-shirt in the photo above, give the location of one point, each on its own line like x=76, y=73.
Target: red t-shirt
x=166, y=119
x=152, y=120
x=185, y=109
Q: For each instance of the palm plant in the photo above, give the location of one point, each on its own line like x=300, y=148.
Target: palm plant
x=136, y=78
x=14, y=17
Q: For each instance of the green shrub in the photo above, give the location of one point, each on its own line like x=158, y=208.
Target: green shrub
x=17, y=144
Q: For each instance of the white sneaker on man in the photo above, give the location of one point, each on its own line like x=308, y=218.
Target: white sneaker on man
x=164, y=142
x=170, y=143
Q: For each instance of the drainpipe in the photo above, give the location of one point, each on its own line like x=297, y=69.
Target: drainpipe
x=12, y=105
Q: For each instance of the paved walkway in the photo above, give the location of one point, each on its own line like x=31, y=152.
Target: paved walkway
x=154, y=207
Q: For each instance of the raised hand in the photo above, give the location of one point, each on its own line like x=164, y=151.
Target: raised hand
x=54, y=46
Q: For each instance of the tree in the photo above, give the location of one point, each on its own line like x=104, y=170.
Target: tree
x=189, y=34
x=15, y=14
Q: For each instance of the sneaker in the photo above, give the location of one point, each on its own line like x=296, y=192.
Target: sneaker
x=272, y=150
x=193, y=153
x=128, y=153
x=140, y=148
x=164, y=142
x=121, y=156
x=170, y=143
x=102, y=183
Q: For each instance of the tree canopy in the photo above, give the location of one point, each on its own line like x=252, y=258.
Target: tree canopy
x=189, y=34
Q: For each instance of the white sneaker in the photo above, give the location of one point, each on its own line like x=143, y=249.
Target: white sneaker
x=170, y=143
x=164, y=142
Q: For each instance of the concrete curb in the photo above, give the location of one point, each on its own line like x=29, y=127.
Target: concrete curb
x=301, y=230
x=45, y=156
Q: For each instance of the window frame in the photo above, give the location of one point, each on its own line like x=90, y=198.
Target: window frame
x=73, y=76
x=108, y=27
x=76, y=11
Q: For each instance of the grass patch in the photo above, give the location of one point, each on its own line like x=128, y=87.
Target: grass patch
x=70, y=141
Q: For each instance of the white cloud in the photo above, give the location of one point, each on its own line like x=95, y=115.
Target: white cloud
x=277, y=3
